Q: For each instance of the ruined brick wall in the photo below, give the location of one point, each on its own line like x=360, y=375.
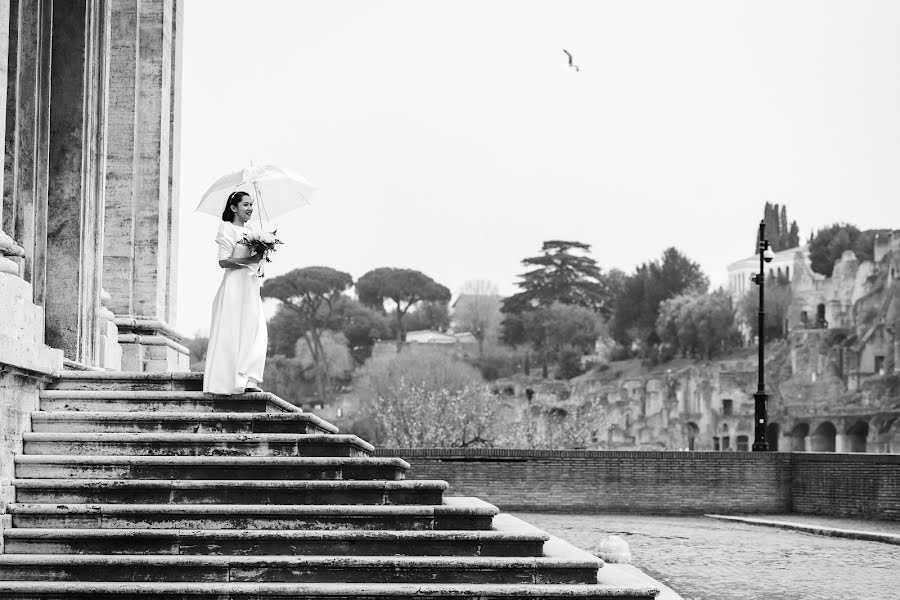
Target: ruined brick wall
x=846, y=485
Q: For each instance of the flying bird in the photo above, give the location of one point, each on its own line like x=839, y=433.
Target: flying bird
x=571, y=64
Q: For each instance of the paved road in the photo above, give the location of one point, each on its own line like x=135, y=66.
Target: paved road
x=705, y=559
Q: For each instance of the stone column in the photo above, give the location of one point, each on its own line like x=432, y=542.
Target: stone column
x=118, y=251
x=6, y=242
x=142, y=205
x=27, y=135
x=9, y=34
x=174, y=160
x=841, y=443
x=25, y=362
x=78, y=100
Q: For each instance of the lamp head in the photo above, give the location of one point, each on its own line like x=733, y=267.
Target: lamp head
x=768, y=255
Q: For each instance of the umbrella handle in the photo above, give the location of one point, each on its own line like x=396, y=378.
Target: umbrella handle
x=262, y=206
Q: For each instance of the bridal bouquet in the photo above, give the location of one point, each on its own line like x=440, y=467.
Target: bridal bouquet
x=261, y=243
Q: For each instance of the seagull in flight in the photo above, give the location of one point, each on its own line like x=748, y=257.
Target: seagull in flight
x=571, y=64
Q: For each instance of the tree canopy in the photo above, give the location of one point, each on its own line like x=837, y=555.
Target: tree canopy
x=637, y=306
x=777, y=303
x=829, y=243
x=562, y=274
x=311, y=293
x=554, y=330
x=404, y=287
x=697, y=325
x=780, y=234
x=425, y=315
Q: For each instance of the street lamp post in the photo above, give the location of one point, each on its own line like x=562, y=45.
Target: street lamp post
x=760, y=398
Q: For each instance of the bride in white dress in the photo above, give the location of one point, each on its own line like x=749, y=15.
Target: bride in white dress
x=238, y=339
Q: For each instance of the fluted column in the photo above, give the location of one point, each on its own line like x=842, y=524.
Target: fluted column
x=142, y=182
x=121, y=160
x=174, y=160
x=152, y=149
x=24, y=359
x=27, y=135
x=77, y=155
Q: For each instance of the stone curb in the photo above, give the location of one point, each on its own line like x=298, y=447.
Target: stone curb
x=853, y=534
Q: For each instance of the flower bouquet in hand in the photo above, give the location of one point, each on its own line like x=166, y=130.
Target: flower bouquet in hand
x=261, y=243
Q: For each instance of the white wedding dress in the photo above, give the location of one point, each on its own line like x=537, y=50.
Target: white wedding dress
x=236, y=355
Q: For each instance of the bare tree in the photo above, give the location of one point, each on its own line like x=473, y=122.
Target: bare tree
x=477, y=310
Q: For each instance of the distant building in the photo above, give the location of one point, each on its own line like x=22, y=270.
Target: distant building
x=429, y=336
x=459, y=344
x=739, y=272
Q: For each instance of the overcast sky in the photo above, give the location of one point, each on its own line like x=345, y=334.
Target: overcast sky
x=453, y=138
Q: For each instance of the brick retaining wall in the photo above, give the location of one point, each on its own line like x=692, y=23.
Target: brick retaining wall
x=847, y=485
x=576, y=481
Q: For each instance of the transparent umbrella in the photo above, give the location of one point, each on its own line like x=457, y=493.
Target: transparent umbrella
x=277, y=191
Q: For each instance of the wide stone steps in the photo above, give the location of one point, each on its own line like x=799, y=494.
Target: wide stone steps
x=245, y=542
x=618, y=586
x=128, y=381
x=207, y=467
x=298, y=569
x=160, y=401
x=455, y=513
x=196, y=444
x=178, y=422
x=138, y=485
x=253, y=491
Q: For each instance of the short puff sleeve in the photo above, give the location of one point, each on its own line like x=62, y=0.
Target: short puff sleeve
x=226, y=241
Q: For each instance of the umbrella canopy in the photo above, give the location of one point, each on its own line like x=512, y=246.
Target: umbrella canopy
x=277, y=191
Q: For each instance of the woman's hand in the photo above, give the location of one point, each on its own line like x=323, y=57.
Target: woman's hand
x=255, y=258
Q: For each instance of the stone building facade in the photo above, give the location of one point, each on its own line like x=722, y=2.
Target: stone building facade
x=90, y=179
x=740, y=272
x=89, y=217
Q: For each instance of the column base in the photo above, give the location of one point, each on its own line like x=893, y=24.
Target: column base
x=22, y=330
x=151, y=346
x=26, y=365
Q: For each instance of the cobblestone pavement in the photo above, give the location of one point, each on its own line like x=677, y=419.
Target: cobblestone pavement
x=706, y=559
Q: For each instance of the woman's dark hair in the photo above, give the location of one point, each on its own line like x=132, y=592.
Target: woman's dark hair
x=233, y=200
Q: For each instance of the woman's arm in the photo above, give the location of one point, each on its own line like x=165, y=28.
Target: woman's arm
x=239, y=263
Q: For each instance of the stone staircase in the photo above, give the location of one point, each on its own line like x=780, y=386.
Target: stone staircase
x=140, y=486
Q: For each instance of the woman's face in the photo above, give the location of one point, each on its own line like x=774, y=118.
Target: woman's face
x=244, y=208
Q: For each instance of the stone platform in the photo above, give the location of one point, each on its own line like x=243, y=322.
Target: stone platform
x=138, y=485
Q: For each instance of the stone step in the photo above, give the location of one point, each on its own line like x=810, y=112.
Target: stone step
x=195, y=444
x=207, y=467
x=127, y=380
x=265, y=543
x=579, y=569
x=161, y=401
x=155, y=491
x=194, y=422
x=454, y=513
x=615, y=587
x=270, y=542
